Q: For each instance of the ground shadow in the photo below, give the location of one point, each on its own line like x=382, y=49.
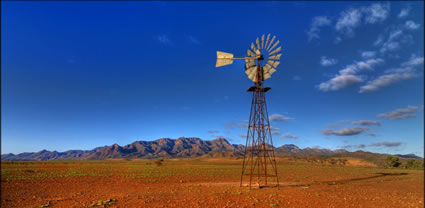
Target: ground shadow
x=379, y=175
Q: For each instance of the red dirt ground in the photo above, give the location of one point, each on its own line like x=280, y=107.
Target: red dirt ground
x=204, y=183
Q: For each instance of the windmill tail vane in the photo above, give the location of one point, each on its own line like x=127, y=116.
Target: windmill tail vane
x=259, y=164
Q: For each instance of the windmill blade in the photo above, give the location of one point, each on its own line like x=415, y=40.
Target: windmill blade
x=271, y=42
x=223, y=62
x=253, y=47
x=275, y=57
x=253, y=74
x=266, y=68
x=250, y=53
x=258, y=43
x=273, y=64
x=249, y=62
x=272, y=70
x=267, y=76
x=262, y=41
x=224, y=55
x=224, y=59
x=267, y=41
x=275, y=44
x=275, y=51
x=249, y=65
x=249, y=71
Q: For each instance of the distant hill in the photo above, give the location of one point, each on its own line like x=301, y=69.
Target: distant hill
x=186, y=148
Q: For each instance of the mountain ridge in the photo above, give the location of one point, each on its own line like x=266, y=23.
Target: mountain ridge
x=183, y=147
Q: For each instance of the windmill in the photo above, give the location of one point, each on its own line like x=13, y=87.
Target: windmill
x=259, y=164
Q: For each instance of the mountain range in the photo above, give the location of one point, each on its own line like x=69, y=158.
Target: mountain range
x=184, y=148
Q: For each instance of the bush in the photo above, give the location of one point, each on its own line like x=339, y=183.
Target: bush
x=392, y=162
x=159, y=162
x=414, y=164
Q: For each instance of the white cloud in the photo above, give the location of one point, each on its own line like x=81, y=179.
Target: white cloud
x=348, y=20
x=352, y=18
x=392, y=76
x=315, y=26
x=347, y=76
x=387, y=79
x=411, y=25
x=393, y=42
x=366, y=122
x=376, y=13
x=404, y=12
x=339, y=82
x=345, y=131
x=325, y=61
x=368, y=54
x=414, y=61
x=400, y=113
x=289, y=136
x=278, y=117
x=379, y=40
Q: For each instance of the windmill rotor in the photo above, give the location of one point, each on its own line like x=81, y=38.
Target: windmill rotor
x=263, y=49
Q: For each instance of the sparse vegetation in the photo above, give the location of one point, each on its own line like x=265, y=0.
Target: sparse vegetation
x=159, y=162
x=392, y=162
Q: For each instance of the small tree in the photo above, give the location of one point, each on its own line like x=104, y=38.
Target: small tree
x=392, y=162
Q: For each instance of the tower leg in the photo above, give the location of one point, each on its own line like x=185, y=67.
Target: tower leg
x=259, y=162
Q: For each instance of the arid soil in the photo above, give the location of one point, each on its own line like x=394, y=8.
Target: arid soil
x=204, y=183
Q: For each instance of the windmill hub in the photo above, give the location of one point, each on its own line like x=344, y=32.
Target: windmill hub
x=259, y=162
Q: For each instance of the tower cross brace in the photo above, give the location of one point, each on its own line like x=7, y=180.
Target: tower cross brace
x=259, y=164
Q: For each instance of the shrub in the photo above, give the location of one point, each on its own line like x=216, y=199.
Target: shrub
x=159, y=162
x=414, y=164
x=392, y=162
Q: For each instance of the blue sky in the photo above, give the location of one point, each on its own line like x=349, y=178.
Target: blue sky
x=78, y=75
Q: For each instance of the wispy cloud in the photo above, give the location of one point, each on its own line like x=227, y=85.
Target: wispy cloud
x=377, y=144
x=401, y=113
x=413, y=61
x=193, y=40
x=243, y=136
x=411, y=25
x=212, y=131
x=367, y=122
x=354, y=146
x=376, y=13
x=385, y=144
x=387, y=80
x=348, y=20
x=289, y=136
x=368, y=54
x=279, y=117
x=339, y=82
x=354, y=17
x=350, y=131
x=403, y=13
x=392, y=76
x=163, y=39
x=275, y=131
x=232, y=125
x=325, y=61
x=347, y=76
x=315, y=26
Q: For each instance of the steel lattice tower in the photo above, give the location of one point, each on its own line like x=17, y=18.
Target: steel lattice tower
x=259, y=162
